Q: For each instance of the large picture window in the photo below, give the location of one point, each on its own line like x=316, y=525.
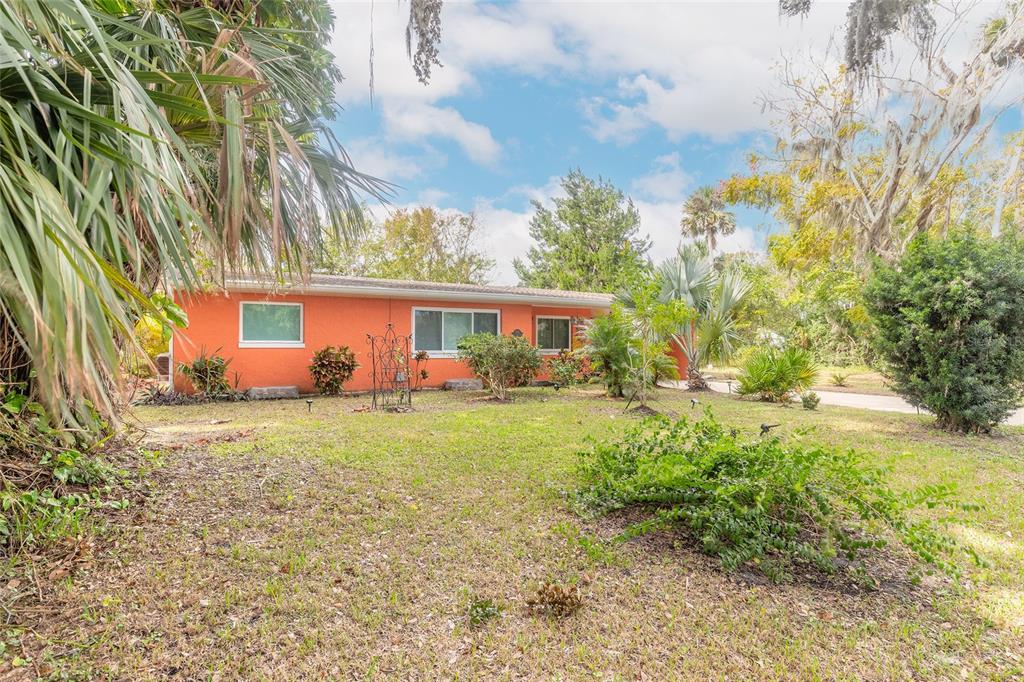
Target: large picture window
x=270, y=325
x=553, y=333
x=439, y=331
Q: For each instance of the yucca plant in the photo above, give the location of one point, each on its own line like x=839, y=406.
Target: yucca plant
x=776, y=376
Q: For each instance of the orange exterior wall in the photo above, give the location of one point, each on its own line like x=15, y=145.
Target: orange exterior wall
x=327, y=320
x=681, y=361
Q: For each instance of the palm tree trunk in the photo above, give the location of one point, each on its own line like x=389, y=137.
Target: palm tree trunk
x=695, y=381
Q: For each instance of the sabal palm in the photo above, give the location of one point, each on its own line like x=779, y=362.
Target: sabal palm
x=137, y=145
x=691, y=277
x=705, y=217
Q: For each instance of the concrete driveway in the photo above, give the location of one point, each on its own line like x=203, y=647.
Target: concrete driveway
x=864, y=401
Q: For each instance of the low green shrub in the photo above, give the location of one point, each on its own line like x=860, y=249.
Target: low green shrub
x=762, y=502
x=810, y=400
x=208, y=373
x=501, y=362
x=775, y=375
x=332, y=366
x=567, y=368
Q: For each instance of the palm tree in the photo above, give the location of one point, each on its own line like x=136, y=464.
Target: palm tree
x=705, y=217
x=691, y=277
x=139, y=144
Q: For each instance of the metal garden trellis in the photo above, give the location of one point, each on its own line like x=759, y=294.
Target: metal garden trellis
x=392, y=383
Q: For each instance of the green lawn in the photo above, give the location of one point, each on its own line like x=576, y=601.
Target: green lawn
x=284, y=544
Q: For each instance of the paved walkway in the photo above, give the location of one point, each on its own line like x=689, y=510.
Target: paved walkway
x=864, y=401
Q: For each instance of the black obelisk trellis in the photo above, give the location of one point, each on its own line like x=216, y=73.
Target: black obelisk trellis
x=389, y=356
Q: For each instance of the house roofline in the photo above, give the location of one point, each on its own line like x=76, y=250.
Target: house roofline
x=419, y=293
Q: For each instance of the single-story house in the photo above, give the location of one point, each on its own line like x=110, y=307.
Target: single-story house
x=270, y=331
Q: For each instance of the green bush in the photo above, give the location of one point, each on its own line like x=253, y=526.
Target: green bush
x=332, y=366
x=839, y=378
x=810, y=400
x=566, y=368
x=608, y=346
x=775, y=375
x=761, y=502
x=208, y=373
x=950, y=327
x=502, y=362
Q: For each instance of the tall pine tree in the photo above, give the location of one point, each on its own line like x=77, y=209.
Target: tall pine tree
x=591, y=241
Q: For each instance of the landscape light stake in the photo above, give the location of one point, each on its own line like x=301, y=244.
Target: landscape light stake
x=309, y=405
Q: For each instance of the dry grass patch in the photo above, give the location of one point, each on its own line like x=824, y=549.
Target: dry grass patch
x=338, y=543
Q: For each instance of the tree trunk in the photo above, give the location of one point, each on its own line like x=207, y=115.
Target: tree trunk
x=695, y=380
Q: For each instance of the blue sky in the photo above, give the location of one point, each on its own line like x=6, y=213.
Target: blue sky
x=657, y=97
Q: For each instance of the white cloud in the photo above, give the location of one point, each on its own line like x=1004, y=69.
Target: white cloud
x=432, y=197
x=666, y=181
x=423, y=121
x=552, y=189
x=506, y=236
x=371, y=155
x=685, y=67
x=688, y=67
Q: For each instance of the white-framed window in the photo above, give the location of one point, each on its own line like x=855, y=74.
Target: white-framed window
x=263, y=324
x=554, y=333
x=439, y=330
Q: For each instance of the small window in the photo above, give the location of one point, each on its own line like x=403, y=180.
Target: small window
x=271, y=325
x=553, y=333
x=440, y=331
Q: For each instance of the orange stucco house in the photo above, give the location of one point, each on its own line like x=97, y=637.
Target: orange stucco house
x=269, y=332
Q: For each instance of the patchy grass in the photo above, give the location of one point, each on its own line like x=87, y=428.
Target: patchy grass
x=284, y=544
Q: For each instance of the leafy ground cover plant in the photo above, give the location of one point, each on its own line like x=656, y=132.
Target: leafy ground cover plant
x=839, y=378
x=481, y=610
x=50, y=475
x=332, y=366
x=208, y=373
x=775, y=375
x=502, y=362
x=762, y=502
x=950, y=326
